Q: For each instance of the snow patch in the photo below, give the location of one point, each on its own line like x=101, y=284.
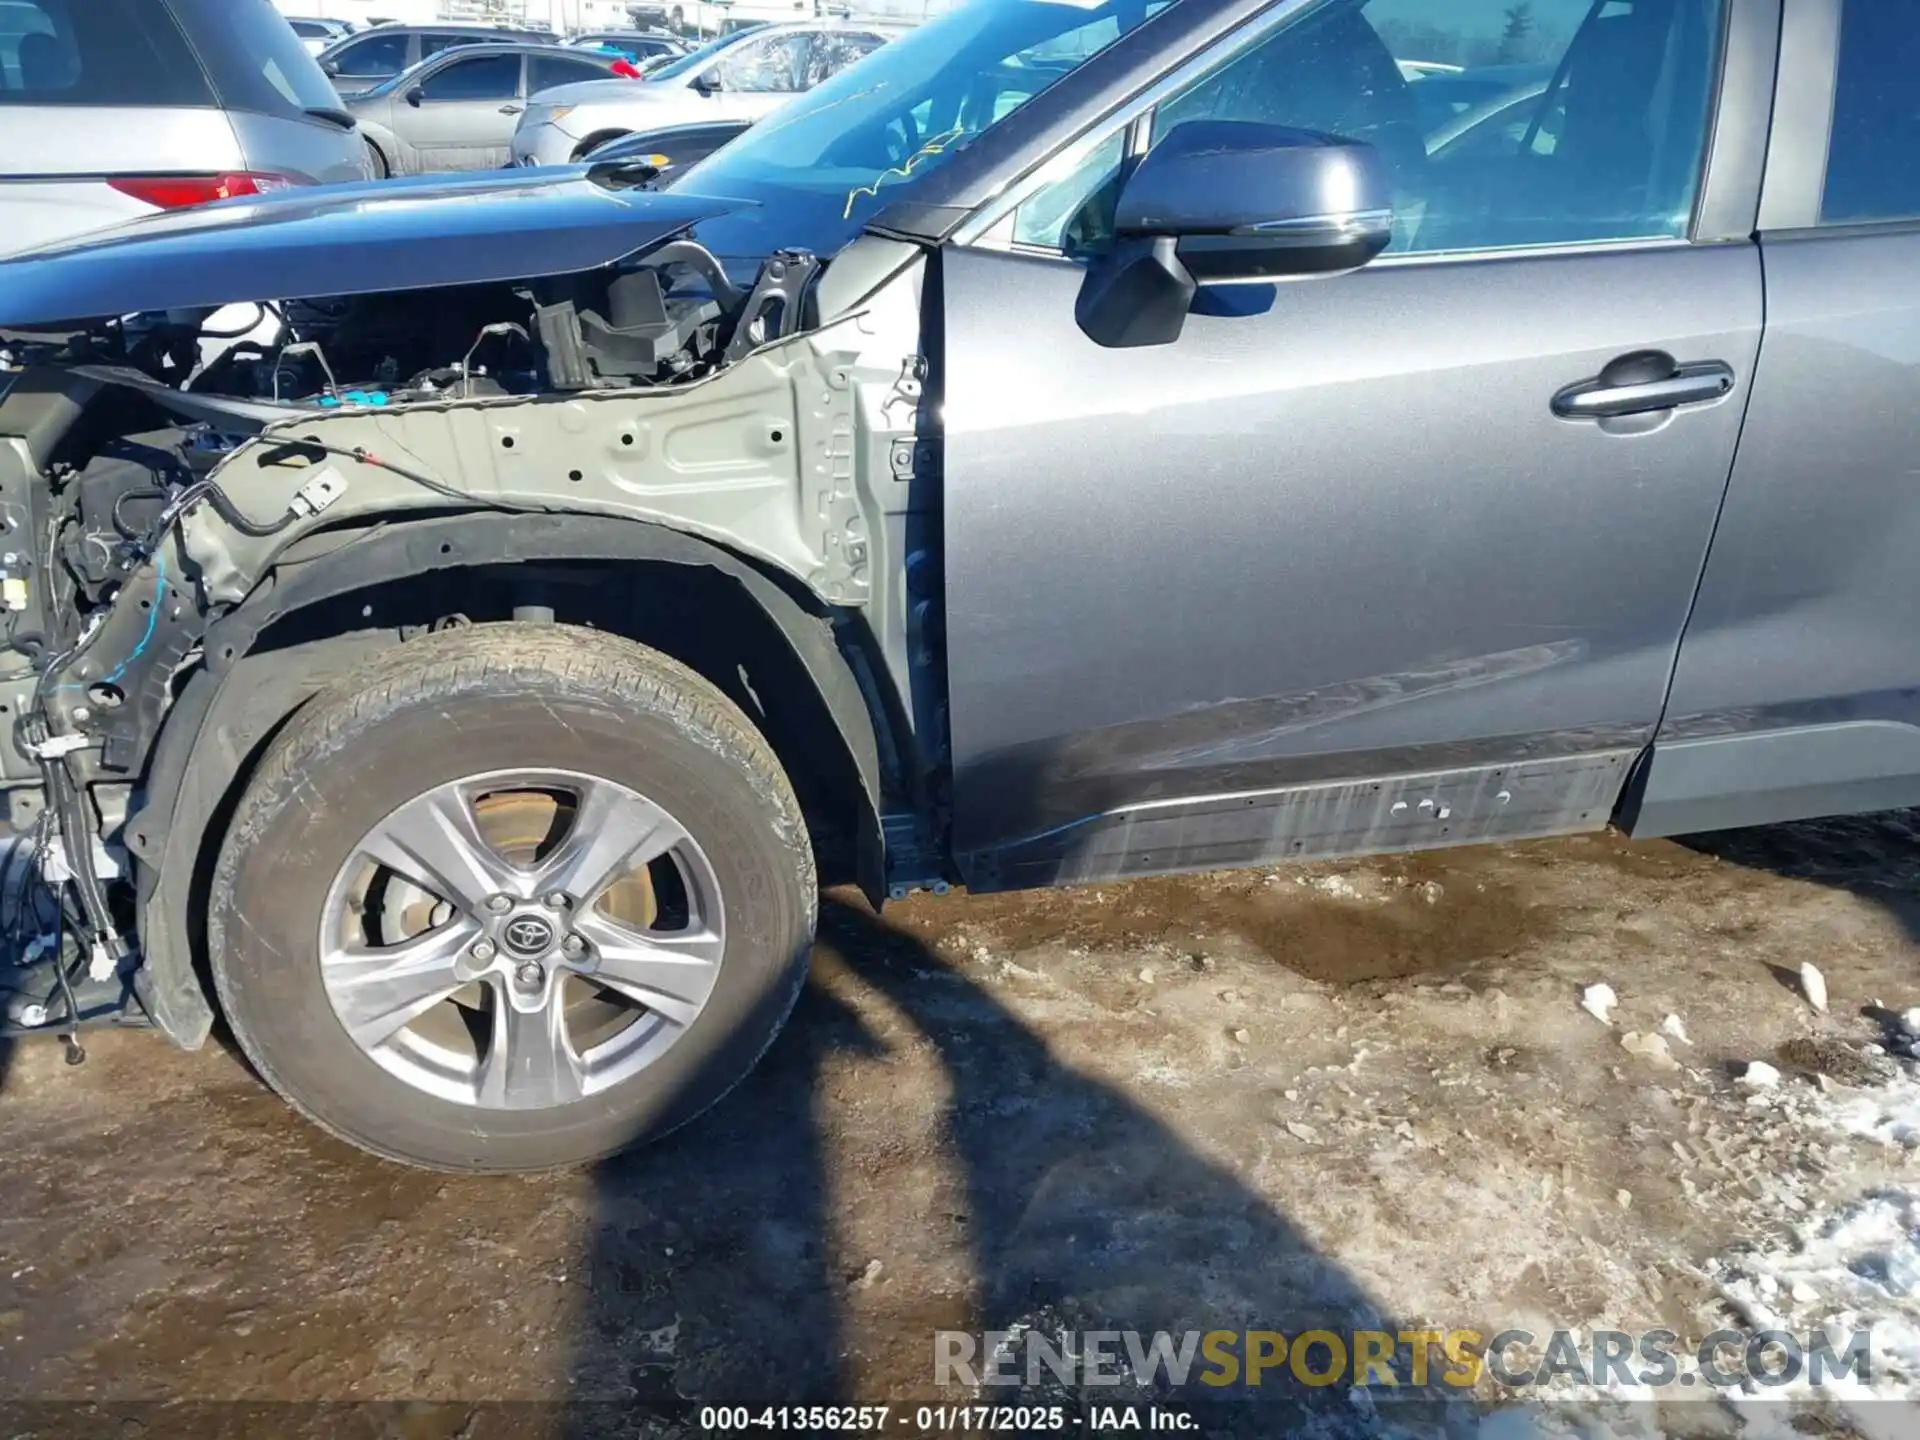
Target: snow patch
x=1814, y=986
x=1855, y=1269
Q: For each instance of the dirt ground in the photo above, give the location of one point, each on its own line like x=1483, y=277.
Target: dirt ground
x=1351, y=1093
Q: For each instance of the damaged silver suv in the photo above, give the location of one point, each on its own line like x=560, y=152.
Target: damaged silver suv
x=459, y=624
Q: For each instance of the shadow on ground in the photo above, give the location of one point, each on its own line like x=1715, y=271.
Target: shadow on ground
x=1876, y=857
x=1076, y=1209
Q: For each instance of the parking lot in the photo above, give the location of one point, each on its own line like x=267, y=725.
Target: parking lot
x=1347, y=1095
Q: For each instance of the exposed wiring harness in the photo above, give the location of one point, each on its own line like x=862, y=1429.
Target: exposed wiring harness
x=364, y=456
x=70, y=866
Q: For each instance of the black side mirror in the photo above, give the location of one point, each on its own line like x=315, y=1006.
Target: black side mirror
x=331, y=67
x=709, y=83
x=1223, y=202
x=415, y=96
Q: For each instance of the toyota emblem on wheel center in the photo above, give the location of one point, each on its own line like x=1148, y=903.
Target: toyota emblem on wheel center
x=528, y=935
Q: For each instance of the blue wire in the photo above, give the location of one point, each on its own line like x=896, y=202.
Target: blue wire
x=153, y=621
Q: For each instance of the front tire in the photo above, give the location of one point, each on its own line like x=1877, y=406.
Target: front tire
x=511, y=898
x=594, y=142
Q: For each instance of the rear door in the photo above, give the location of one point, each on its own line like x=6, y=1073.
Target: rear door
x=467, y=112
x=545, y=72
x=1333, y=572
x=1798, y=688
x=98, y=97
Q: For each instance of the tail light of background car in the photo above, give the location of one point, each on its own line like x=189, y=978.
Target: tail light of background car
x=177, y=192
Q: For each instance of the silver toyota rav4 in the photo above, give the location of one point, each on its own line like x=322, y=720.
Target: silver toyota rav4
x=1081, y=440
x=113, y=109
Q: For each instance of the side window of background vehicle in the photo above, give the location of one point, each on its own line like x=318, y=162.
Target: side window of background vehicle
x=376, y=55
x=478, y=77
x=763, y=67
x=1502, y=123
x=544, y=72
x=834, y=51
x=1873, y=160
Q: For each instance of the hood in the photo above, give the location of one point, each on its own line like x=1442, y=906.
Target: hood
x=614, y=91
x=629, y=104
x=345, y=240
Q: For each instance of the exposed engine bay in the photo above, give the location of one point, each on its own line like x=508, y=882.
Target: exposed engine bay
x=157, y=470
x=674, y=317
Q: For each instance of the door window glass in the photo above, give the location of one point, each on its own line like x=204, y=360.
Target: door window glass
x=544, y=72
x=376, y=55
x=477, y=77
x=1873, y=161
x=1502, y=123
x=1074, y=214
x=767, y=67
x=433, y=44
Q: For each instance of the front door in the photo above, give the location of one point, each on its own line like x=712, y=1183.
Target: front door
x=467, y=113
x=1341, y=531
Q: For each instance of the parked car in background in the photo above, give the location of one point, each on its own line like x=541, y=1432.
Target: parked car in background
x=667, y=14
x=457, y=110
x=112, y=109
x=671, y=151
x=654, y=64
x=741, y=77
x=632, y=46
x=362, y=61
x=317, y=34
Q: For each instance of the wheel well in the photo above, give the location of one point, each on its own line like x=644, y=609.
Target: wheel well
x=386, y=161
x=699, y=616
x=684, y=597
x=595, y=141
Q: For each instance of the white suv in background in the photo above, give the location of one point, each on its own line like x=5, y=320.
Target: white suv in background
x=739, y=77
x=111, y=109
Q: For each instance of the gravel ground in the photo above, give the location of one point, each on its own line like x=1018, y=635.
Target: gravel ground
x=1329, y=1095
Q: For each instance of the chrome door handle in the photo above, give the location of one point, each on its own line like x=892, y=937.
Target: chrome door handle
x=1642, y=383
x=509, y=109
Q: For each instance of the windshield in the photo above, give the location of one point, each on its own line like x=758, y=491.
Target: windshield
x=906, y=108
x=695, y=60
